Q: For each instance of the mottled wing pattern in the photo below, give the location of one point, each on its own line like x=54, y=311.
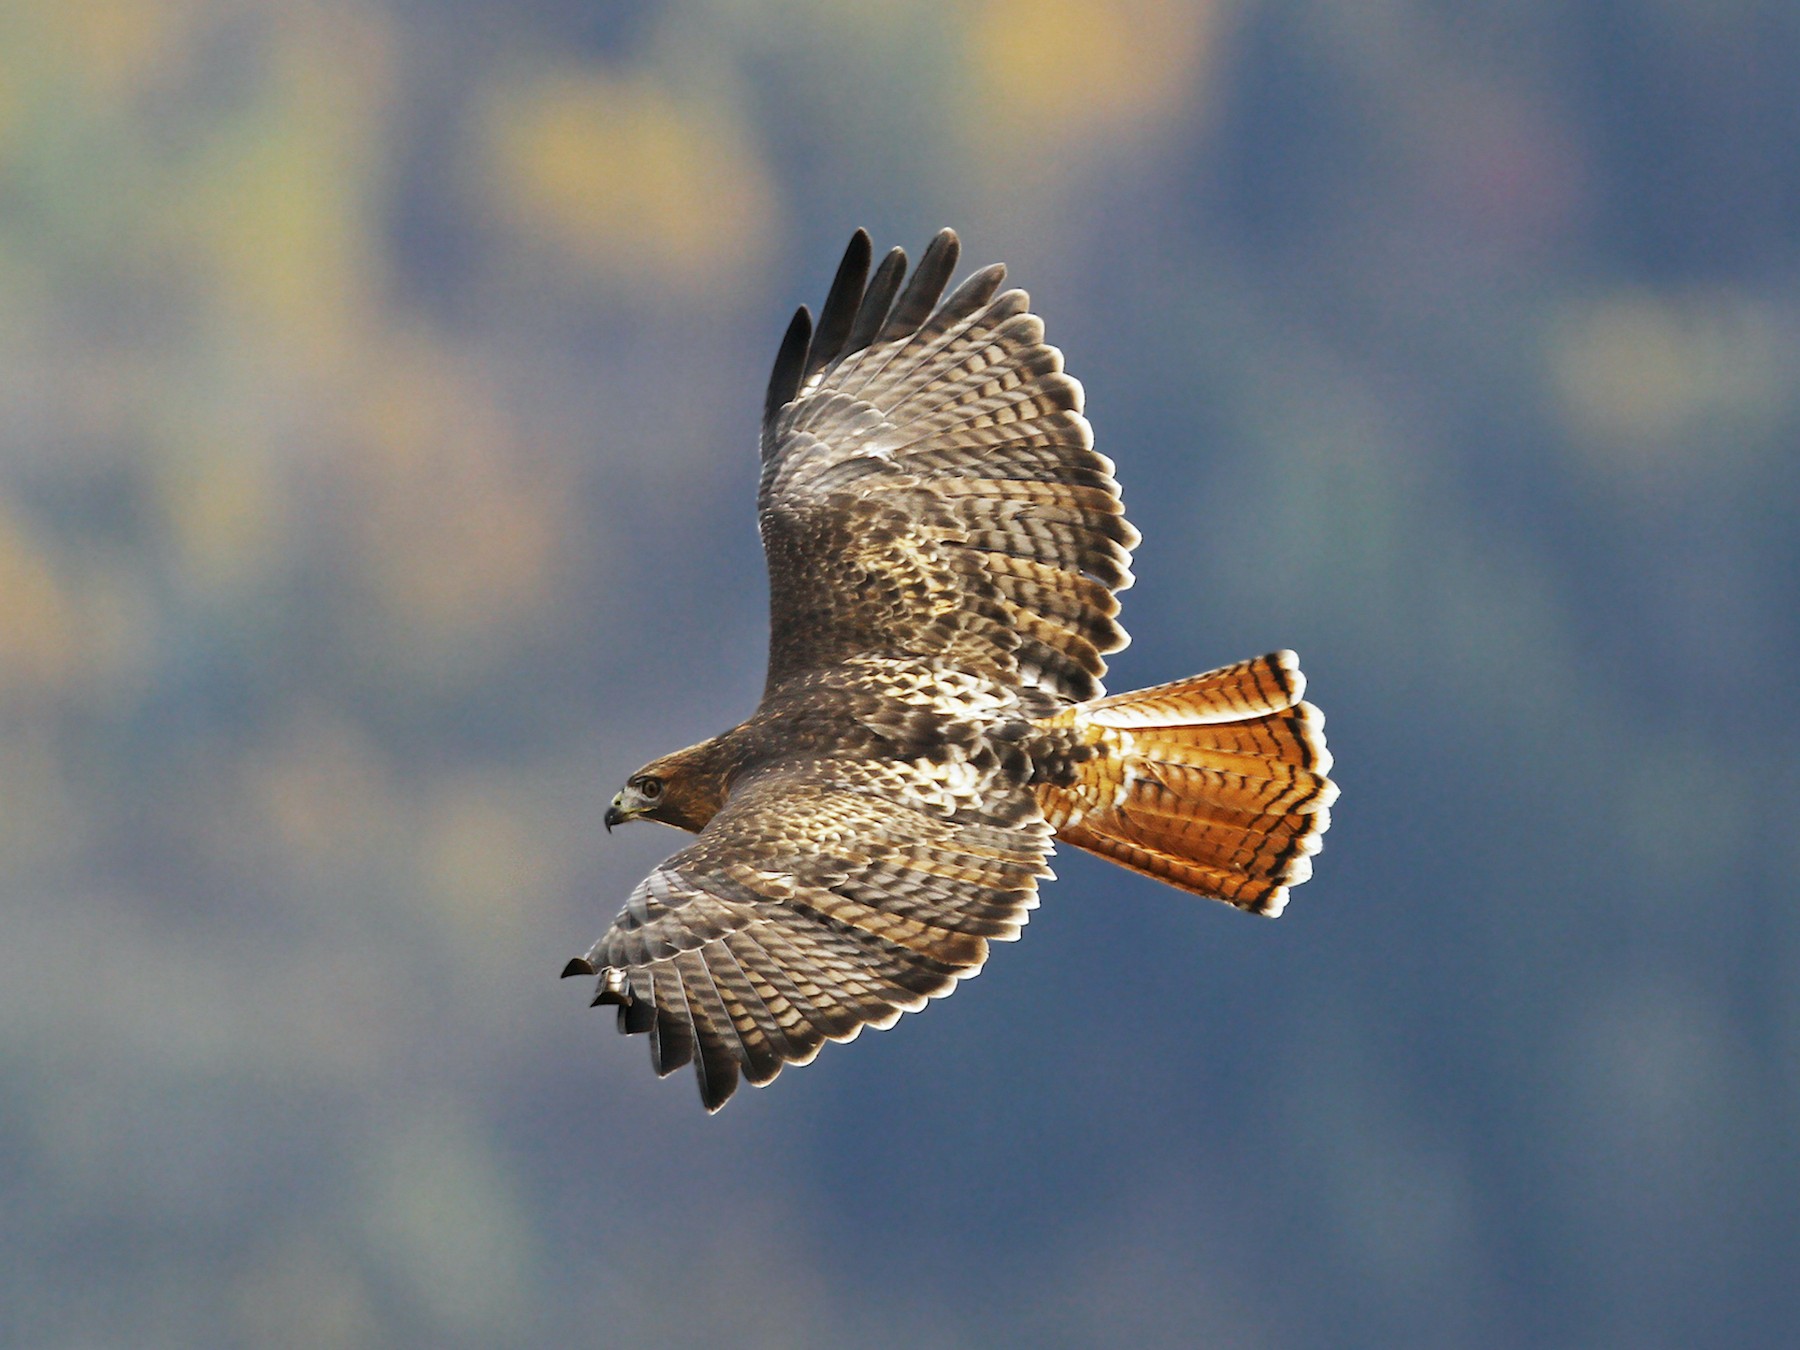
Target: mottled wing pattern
x=930, y=487
x=823, y=898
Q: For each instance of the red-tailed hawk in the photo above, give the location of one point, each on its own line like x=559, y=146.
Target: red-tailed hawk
x=944, y=548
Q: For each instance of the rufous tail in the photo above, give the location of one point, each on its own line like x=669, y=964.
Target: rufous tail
x=1215, y=783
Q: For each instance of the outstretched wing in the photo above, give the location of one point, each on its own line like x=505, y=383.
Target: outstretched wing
x=823, y=898
x=930, y=488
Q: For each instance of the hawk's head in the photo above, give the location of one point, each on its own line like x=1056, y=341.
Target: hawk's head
x=681, y=789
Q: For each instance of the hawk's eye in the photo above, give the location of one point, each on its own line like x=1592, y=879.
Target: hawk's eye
x=650, y=788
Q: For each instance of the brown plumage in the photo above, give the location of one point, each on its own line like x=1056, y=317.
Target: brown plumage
x=944, y=548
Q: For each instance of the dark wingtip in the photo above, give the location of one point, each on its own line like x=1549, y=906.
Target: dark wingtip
x=877, y=301
x=579, y=966
x=790, y=365
x=839, y=312
x=717, y=1072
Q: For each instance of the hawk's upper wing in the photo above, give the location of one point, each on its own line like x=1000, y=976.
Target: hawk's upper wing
x=930, y=487
x=822, y=898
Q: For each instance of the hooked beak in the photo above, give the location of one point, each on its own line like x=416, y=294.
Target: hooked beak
x=613, y=816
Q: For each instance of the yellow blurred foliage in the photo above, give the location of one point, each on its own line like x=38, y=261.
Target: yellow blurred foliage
x=70, y=627
x=221, y=502
x=457, y=527
x=324, y=791
x=276, y=213
x=488, y=867
x=1646, y=381
x=1052, y=75
x=38, y=627
x=626, y=179
x=120, y=45
x=9, y=108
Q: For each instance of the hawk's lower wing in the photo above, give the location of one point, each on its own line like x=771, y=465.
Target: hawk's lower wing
x=812, y=905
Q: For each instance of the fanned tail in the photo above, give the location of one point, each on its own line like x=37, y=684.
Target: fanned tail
x=1215, y=783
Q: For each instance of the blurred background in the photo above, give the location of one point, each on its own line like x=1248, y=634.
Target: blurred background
x=378, y=398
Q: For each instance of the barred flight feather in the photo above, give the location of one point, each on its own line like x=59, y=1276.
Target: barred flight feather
x=920, y=294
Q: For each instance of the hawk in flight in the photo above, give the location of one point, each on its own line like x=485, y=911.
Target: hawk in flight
x=945, y=546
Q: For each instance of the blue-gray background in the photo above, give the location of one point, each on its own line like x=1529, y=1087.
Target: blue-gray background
x=378, y=392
